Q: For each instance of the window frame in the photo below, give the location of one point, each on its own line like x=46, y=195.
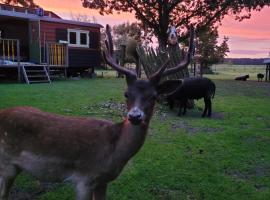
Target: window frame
x=78, y=38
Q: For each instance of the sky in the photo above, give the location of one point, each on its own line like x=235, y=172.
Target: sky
x=247, y=39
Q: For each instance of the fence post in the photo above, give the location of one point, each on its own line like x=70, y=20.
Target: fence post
x=19, y=61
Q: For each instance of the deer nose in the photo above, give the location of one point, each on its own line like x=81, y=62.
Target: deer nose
x=135, y=116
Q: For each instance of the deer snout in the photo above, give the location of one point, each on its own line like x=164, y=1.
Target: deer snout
x=172, y=39
x=135, y=116
x=172, y=35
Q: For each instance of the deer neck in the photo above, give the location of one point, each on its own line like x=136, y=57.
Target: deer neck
x=131, y=138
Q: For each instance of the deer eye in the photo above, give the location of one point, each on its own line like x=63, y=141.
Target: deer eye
x=126, y=94
x=154, y=97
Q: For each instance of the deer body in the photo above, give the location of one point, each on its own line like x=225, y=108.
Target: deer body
x=88, y=152
x=80, y=149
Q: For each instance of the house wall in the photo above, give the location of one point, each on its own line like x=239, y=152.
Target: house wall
x=78, y=57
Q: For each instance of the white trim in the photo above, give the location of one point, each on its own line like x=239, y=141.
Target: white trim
x=78, y=39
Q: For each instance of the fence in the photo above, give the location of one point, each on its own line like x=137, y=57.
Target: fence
x=57, y=54
x=151, y=60
x=10, y=50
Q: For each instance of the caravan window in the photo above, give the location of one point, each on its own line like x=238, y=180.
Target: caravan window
x=78, y=38
x=72, y=36
x=83, y=38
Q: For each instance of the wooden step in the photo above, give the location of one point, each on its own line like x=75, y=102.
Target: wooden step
x=34, y=71
x=35, y=74
x=40, y=81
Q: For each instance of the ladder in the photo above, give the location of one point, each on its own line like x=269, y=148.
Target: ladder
x=35, y=74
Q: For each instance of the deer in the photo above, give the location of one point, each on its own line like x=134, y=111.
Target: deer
x=88, y=152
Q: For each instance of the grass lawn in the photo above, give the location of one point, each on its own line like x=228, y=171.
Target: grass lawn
x=225, y=71
x=189, y=158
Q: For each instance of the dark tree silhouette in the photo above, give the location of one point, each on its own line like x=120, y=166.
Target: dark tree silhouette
x=156, y=15
x=208, y=50
x=24, y=3
x=126, y=31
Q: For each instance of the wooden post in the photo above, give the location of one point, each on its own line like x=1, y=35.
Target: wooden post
x=194, y=65
x=67, y=60
x=201, y=70
x=122, y=59
x=267, y=72
x=19, y=61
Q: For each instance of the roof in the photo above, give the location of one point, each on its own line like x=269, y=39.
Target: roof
x=266, y=61
x=51, y=17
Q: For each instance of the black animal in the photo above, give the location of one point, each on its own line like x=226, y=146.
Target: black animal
x=191, y=88
x=242, y=78
x=260, y=77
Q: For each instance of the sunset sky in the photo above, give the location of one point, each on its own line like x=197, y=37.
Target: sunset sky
x=250, y=38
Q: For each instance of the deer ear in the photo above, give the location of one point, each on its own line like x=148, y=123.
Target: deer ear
x=169, y=86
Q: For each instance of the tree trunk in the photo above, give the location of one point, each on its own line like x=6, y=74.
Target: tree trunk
x=162, y=41
x=201, y=69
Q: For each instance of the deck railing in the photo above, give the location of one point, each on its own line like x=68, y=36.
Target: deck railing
x=10, y=50
x=57, y=54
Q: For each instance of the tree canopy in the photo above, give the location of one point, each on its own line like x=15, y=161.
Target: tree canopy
x=23, y=3
x=156, y=15
x=126, y=31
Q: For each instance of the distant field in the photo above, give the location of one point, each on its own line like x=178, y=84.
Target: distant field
x=221, y=71
x=229, y=72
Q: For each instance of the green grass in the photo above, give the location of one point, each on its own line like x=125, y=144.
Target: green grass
x=189, y=158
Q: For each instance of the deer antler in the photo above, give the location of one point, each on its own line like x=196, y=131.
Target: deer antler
x=155, y=78
x=109, y=57
x=186, y=61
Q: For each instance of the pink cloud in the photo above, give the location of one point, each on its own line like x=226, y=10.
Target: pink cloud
x=249, y=38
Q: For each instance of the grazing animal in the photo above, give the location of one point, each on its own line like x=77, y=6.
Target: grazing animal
x=242, y=78
x=260, y=77
x=191, y=88
x=88, y=152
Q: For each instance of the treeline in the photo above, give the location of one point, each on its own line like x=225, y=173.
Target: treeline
x=244, y=61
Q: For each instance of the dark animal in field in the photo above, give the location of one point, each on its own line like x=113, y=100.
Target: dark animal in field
x=191, y=88
x=88, y=152
x=260, y=77
x=242, y=78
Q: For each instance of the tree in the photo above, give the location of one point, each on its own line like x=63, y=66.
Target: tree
x=83, y=18
x=123, y=33
x=208, y=51
x=126, y=39
x=156, y=15
x=23, y=3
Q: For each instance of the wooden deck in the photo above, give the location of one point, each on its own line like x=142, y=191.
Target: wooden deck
x=11, y=65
